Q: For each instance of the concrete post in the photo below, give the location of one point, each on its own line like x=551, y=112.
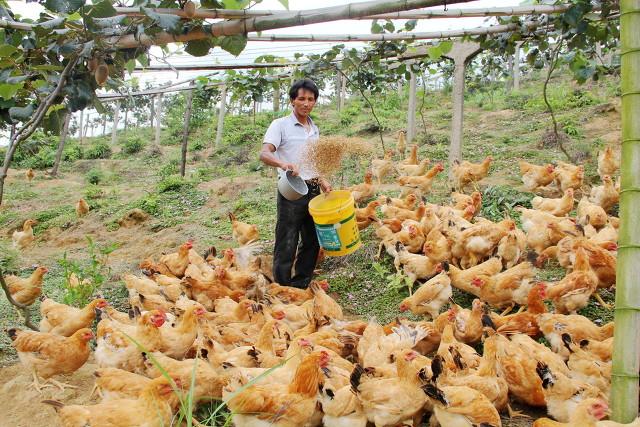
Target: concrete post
x=516, y=67
x=114, y=129
x=80, y=124
x=185, y=132
x=221, y=113
x=411, y=111
x=158, y=119
x=461, y=53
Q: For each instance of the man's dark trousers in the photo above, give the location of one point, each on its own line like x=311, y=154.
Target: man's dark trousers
x=294, y=225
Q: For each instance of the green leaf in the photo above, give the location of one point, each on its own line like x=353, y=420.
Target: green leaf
x=233, y=44
x=47, y=67
x=102, y=9
x=211, y=4
x=50, y=24
x=285, y=3
x=108, y=22
x=130, y=65
x=434, y=52
x=445, y=46
x=8, y=91
x=199, y=47
x=170, y=23
x=21, y=113
x=376, y=28
x=75, y=16
x=143, y=60
x=64, y=6
x=16, y=79
x=7, y=50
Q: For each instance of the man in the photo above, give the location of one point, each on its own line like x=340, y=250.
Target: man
x=283, y=146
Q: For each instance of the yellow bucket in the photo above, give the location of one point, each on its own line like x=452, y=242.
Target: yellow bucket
x=335, y=218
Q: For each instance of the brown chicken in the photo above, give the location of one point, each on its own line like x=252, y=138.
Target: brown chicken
x=573, y=292
x=177, y=341
x=608, y=161
x=400, y=214
x=512, y=247
x=401, y=145
x=379, y=396
x=534, y=176
x=557, y=207
x=579, y=327
x=413, y=156
x=115, y=347
x=61, y=319
x=282, y=405
x=462, y=406
x=411, y=236
x=525, y=322
x=46, y=355
x=591, y=214
x=82, y=208
x=154, y=408
x=437, y=246
x=563, y=393
x=30, y=174
x=26, y=291
x=408, y=202
x=465, y=172
x=462, y=278
x=462, y=201
x=420, y=184
x=414, y=266
x=456, y=356
x=586, y=414
x=480, y=240
x=365, y=190
x=177, y=262
x=429, y=297
x=507, y=288
x=242, y=232
x=364, y=215
x=380, y=168
x=569, y=176
x=606, y=196
x=24, y=238
x=114, y=383
x=413, y=170
x=485, y=379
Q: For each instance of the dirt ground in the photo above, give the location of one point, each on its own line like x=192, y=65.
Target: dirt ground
x=20, y=405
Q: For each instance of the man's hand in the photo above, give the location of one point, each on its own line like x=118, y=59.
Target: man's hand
x=295, y=171
x=325, y=185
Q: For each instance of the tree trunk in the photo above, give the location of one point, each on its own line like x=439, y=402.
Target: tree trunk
x=158, y=119
x=104, y=125
x=626, y=343
x=411, y=110
x=63, y=139
x=80, y=125
x=276, y=97
x=152, y=114
x=126, y=119
x=343, y=91
x=86, y=127
x=114, y=129
x=185, y=132
x=221, y=113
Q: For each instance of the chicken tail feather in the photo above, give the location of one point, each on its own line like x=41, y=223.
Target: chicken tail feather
x=432, y=390
x=355, y=377
x=56, y=405
x=13, y=333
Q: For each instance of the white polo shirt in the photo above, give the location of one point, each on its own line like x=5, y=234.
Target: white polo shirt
x=290, y=137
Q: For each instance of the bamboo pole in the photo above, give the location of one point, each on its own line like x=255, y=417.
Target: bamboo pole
x=158, y=119
x=283, y=20
x=421, y=14
x=221, y=113
x=626, y=344
x=411, y=110
x=185, y=132
x=114, y=129
x=63, y=139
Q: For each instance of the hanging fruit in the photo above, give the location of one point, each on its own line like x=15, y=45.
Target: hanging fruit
x=189, y=9
x=102, y=74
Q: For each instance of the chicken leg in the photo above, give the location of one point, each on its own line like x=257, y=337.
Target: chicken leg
x=598, y=298
x=36, y=383
x=514, y=414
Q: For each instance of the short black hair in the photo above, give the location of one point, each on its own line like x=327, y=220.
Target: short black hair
x=307, y=84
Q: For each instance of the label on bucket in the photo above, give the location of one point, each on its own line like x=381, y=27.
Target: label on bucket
x=328, y=237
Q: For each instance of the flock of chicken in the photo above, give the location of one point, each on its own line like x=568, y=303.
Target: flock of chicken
x=219, y=328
